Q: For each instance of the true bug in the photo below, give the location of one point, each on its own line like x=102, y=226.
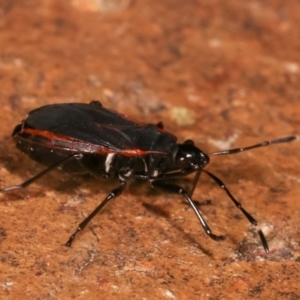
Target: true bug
x=88, y=138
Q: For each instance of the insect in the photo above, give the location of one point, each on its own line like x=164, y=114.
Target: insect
x=88, y=138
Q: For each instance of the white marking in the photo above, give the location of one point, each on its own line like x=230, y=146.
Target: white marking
x=145, y=166
x=155, y=173
x=108, y=161
x=31, y=149
x=128, y=173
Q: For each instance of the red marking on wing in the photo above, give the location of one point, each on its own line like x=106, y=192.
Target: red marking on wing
x=61, y=142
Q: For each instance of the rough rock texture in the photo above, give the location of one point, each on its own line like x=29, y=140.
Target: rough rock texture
x=223, y=73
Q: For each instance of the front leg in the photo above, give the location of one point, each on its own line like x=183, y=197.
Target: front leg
x=182, y=173
x=175, y=189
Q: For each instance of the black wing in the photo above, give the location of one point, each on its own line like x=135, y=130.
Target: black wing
x=99, y=126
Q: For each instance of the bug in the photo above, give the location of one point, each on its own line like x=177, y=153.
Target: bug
x=88, y=138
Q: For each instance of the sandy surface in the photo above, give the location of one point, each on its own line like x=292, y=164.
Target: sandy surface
x=223, y=73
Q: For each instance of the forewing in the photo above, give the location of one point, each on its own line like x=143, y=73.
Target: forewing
x=92, y=124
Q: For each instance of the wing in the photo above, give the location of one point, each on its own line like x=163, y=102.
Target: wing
x=91, y=128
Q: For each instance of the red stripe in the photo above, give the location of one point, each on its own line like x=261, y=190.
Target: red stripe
x=61, y=142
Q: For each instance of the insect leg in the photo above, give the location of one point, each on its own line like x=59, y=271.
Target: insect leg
x=113, y=194
x=184, y=172
x=194, y=183
x=172, y=188
x=166, y=176
x=286, y=139
x=39, y=175
x=220, y=183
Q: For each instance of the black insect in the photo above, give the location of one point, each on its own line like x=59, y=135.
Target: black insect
x=88, y=138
